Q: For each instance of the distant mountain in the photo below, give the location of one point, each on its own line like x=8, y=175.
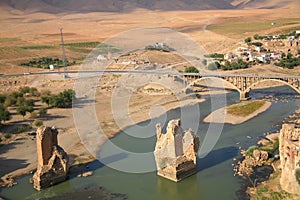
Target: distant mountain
x=57, y=6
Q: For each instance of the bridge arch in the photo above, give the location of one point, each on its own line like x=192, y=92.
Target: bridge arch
x=276, y=80
x=218, y=78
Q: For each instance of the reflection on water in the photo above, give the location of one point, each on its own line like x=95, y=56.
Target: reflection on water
x=214, y=170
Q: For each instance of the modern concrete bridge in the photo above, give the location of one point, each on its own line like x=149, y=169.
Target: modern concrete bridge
x=243, y=83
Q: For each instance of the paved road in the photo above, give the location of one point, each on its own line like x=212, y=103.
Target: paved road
x=96, y=72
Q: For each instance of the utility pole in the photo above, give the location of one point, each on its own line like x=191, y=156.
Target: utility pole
x=63, y=52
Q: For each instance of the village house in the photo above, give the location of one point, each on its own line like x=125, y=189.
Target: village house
x=276, y=56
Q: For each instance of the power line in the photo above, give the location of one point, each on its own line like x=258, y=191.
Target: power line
x=63, y=52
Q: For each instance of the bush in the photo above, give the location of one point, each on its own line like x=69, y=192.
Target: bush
x=63, y=99
x=7, y=135
x=256, y=37
x=21, y=129
x=2, y=98
x=191, y=69
x=38, y=123
x=248, y=40
x=258, y=44
x=215, y=56
x=4, y=114
x=298, y=175
x=33, y=115
x=250, y=150
x=43, y=111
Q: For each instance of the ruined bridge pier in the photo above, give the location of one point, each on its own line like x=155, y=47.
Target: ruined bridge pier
x=244, y=83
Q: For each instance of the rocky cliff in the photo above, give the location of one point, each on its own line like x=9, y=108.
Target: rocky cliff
x=289, y=148
x=176, y=151
x=52, y=160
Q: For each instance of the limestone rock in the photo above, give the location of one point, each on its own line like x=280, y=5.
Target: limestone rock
x=289, y=149
x=52, y=160
x=260, y=155
x=176, y=151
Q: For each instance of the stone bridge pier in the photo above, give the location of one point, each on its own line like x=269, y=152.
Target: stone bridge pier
x=244, y=83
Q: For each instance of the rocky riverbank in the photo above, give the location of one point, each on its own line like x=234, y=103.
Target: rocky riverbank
x=270, y=153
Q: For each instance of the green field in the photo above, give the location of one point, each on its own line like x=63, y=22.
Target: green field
x=238, y=28
x=245, y=108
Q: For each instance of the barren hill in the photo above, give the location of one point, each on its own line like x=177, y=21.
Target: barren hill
x=57, y=6
x=264, y=4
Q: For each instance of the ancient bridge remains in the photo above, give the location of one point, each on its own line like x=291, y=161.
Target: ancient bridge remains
x=244, y=83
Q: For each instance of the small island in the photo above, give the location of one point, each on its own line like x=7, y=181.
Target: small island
x=238, y=113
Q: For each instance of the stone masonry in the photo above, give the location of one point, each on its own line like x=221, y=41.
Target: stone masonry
x=289, y=148
x=52, y=160
x=176, y=151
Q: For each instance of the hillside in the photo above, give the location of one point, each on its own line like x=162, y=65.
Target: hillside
x=57, y=6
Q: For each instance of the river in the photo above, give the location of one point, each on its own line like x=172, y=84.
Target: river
x=214, y=179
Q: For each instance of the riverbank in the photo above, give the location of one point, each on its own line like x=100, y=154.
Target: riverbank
x=238, y=113
x=258, y=187
x=16, y=163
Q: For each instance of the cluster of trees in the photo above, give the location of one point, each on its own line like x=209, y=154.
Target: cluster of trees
x=240, y=64
x=24, y=101
x=61, y=100
x=288, y=61
x=191, y=69
x=163, y=48
x=281, y=36
x=217, y=56
x=44, y=63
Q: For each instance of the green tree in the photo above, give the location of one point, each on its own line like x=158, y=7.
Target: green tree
x=191, y=69
x=24, y=90
x=42, y=111
x=256, y=37
x=21, y=110
x=4, y=114
x=248, y=40
x=63, y=99
x=46, y=99
x=2, y=98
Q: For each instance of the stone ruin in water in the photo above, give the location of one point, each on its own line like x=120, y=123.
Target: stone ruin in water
x=176, y=151
x=52, y=159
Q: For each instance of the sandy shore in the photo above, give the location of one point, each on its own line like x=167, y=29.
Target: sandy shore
x=221, y=115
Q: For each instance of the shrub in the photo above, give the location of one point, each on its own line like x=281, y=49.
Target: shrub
x=191, y=69
x=258, y=44
x=38, y=123
x=22, y=110
x=33, y=115
x=4, y=114
x=7, y=135
x=24, y=90
x=248, y=40
x=256, y=37
x=298, y=175
x=250, y=150
x=2, y=98
x=21, y=129
x=43, y=111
